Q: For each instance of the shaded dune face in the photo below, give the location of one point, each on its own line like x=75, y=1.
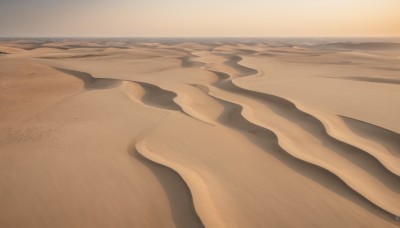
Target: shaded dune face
x=389, y=139
x=375, y=79
x=312, y=125
x=180, y=198
x=187, y=62
x=225, y=135
x=233, y=61
x=362, y=46
x=90, y=82
x=157, y=97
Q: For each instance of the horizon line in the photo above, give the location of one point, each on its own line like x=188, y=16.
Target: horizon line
x=195, y=37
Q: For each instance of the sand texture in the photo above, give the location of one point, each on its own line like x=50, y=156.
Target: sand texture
x=199, y=133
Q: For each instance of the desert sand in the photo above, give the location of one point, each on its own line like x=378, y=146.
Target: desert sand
x=199, y=133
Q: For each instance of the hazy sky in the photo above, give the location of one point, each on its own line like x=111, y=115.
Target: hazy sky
x=244, y=18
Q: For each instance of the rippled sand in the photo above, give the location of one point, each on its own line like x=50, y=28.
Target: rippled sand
x=199, y=133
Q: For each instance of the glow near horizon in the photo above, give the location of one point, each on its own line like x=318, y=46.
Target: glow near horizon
x=165, y=18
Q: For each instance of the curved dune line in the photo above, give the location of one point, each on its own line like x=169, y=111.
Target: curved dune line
x=332, y=130
x=347, y=177
x=337, y=129
x=182, y=103
x=326, y=130
x=393, y=81
x=333, y=133
x=233, y=61
x=73, y=56
x=234, y=117
x=288, y=145
x=157, y=97
x=202, y=202
x=186, y=61
x=164, y=98
x=339, y=134
x=380, y=128
x=153, y=95
x=360, y=46
x=220, y=75
x=91, y=82
x=134, y=91
x=373, y=147
x=186, y=107
x=388, y=138
x=284, y=101
x=247, y=51
x=187, y=218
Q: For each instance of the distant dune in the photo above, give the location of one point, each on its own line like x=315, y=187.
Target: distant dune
x=363, y=46
x=199, y=133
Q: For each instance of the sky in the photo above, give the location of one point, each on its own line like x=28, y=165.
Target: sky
x=206, y=18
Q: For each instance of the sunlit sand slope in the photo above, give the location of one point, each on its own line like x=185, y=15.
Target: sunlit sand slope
x=206, y=133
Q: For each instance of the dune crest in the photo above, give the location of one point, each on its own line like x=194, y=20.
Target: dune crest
x=199, y=133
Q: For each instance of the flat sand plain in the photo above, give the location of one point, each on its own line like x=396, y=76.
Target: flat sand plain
x=199, y=133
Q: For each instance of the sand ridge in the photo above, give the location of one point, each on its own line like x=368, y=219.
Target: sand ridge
x=198, y=134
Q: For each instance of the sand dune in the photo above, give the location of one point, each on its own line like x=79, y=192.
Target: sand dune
x=375, y=174
x=91, y=82
x=363, y=45
x=374, y=79
x=182, y=217
x=199, y=133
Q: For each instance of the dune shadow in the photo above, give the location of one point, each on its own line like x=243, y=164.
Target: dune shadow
x=157, y=97
x=91, y=82
x=233, y=62
x=314, y=126
x=186, y=62
x=267, y=140
x=177, y=191
x=389, y=139
x=372, y=79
